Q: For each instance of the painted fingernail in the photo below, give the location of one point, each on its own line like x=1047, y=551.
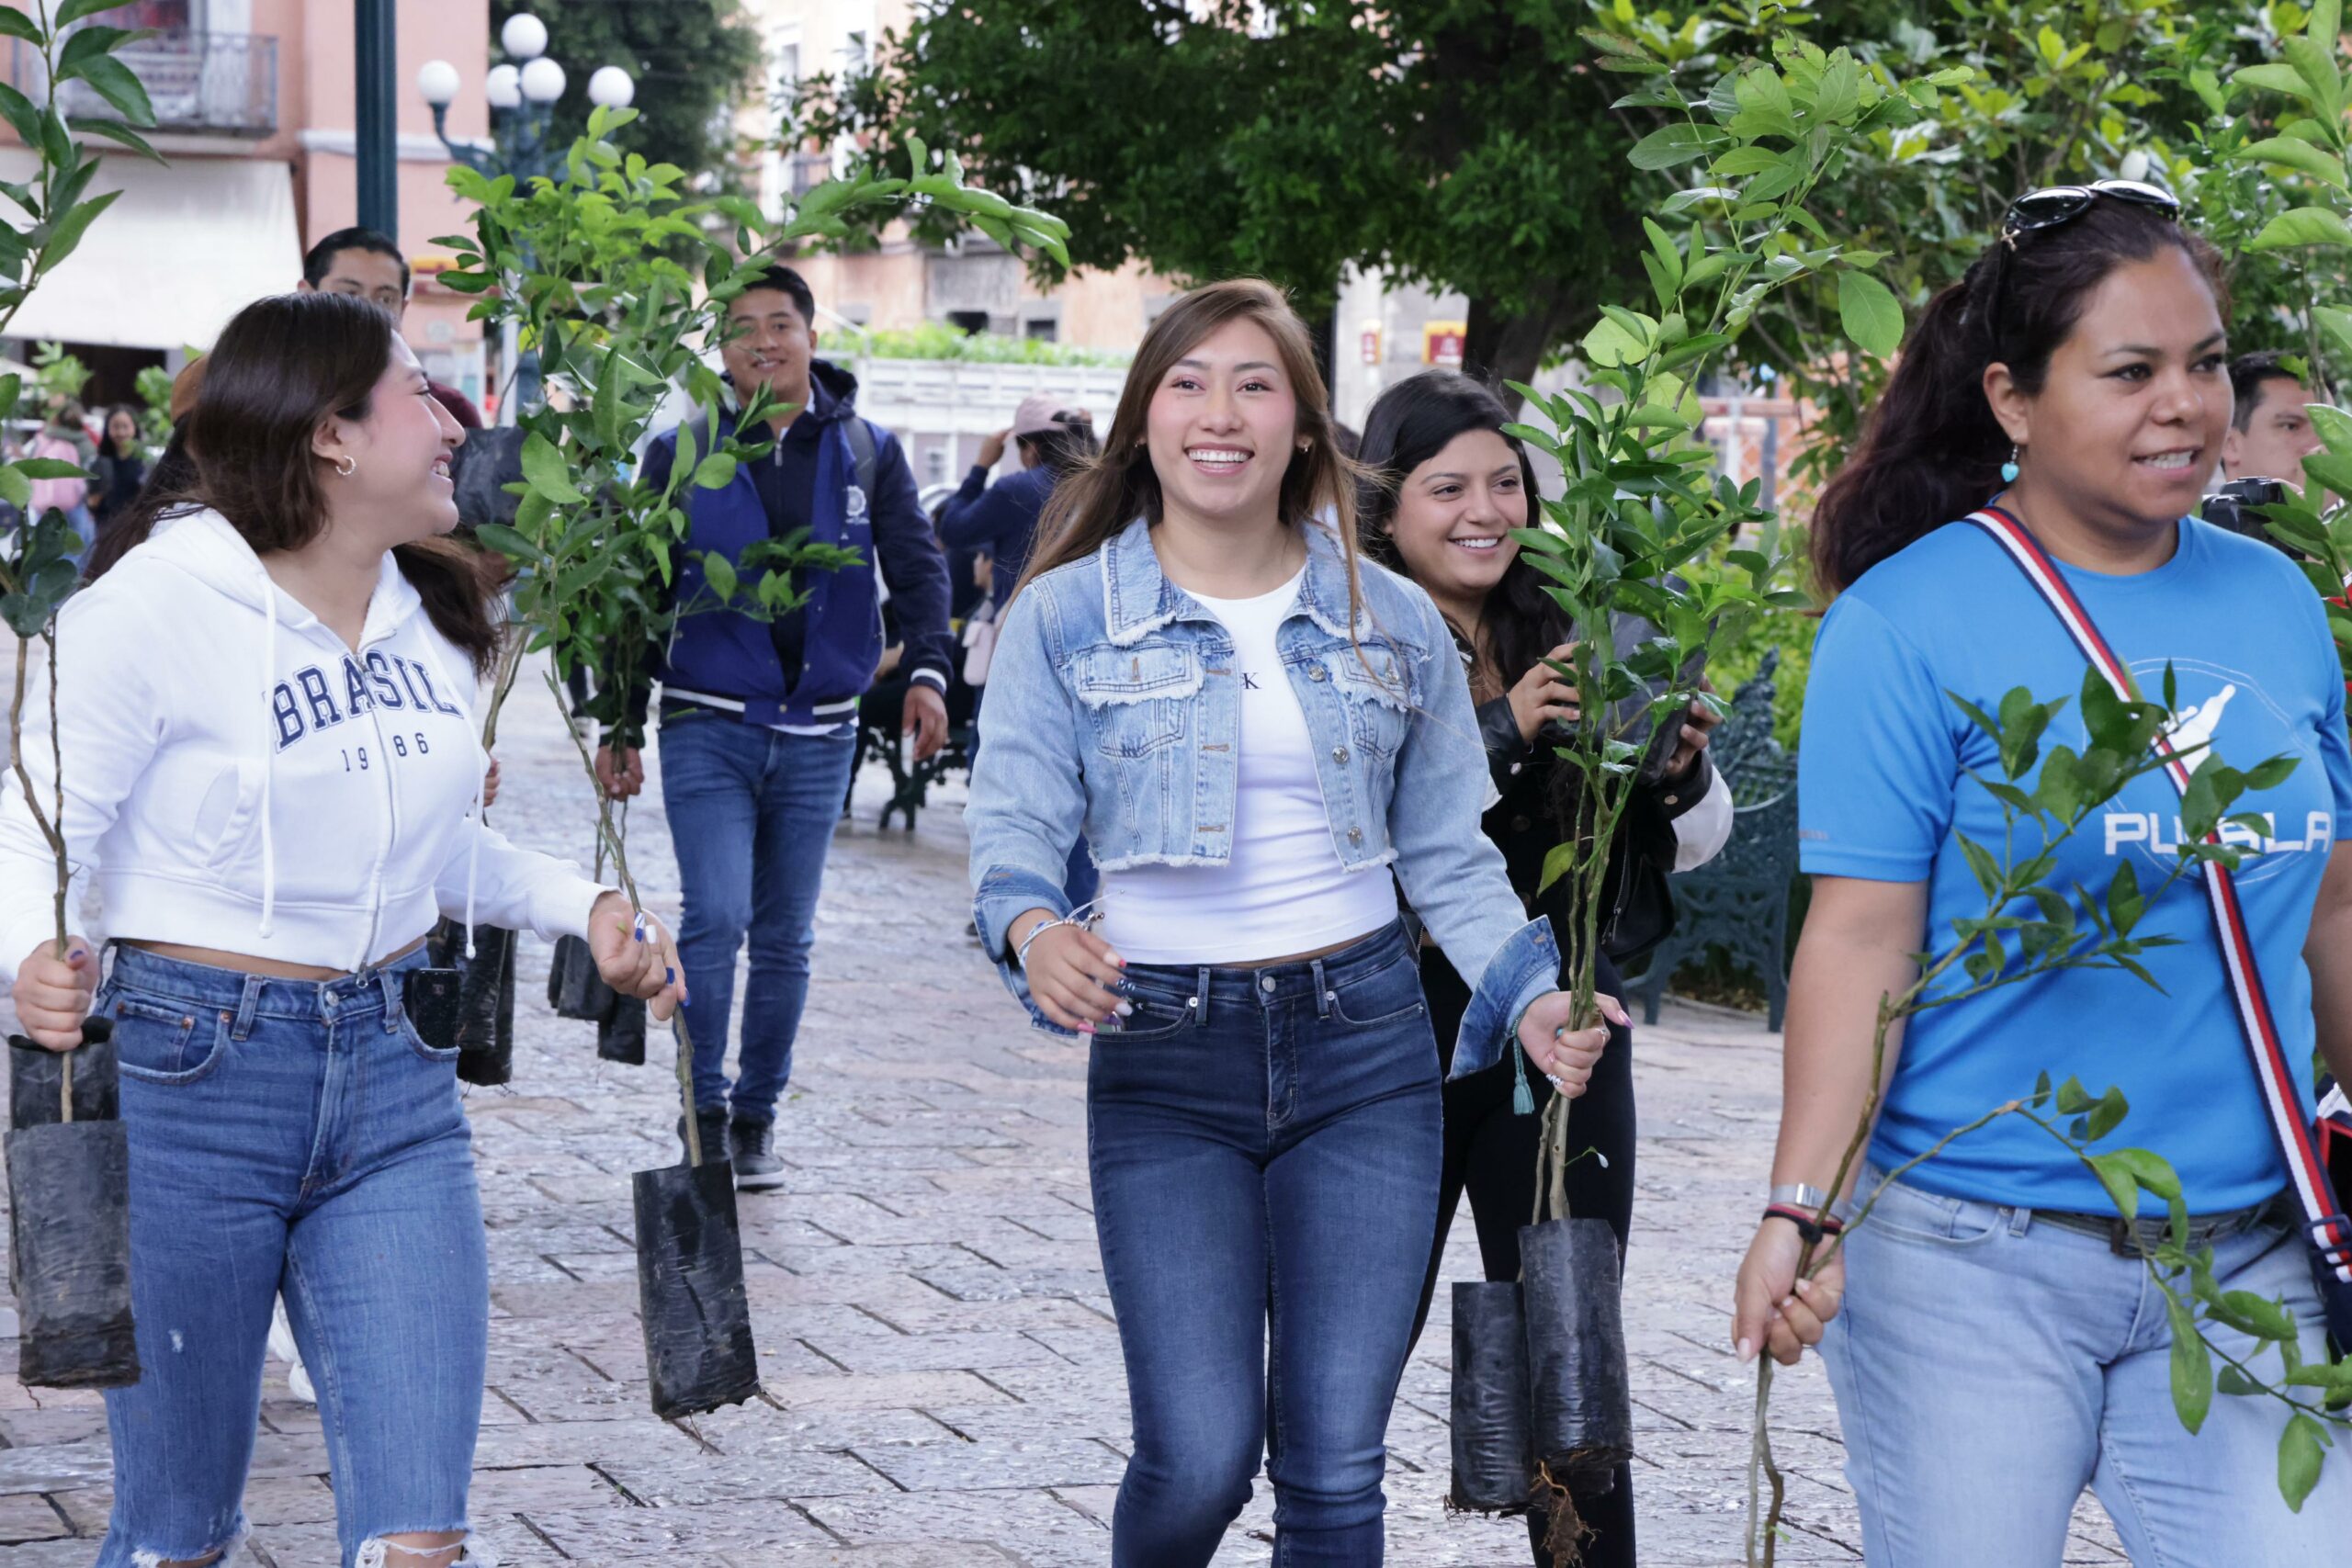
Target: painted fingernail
x=1125, y=1010
x=669, y=977
x=1805, y=1287
x=1745, y=1349
x=1085, y=1027
x=1788, y=1301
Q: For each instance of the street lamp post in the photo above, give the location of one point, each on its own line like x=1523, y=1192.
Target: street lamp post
x=523, y=95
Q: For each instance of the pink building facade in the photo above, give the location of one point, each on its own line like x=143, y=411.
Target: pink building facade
x=254, y=105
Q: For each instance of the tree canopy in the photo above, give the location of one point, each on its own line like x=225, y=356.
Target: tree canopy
x=1469, y=146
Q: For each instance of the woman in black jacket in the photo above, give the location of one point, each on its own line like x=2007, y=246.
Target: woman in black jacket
x=1449, y=486
x=120, y=469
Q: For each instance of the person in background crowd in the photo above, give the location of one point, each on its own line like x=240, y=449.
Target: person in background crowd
x=120, y=467
x=289, y=1128
x=65, y=438
x=1261, y=741
x=2001, y=1346
x=759, y=716
x=368, y=265
x=1445, y=487
x=2271, y=433
x=1053, y=439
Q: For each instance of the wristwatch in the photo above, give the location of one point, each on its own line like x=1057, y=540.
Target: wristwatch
x=1797, y=1195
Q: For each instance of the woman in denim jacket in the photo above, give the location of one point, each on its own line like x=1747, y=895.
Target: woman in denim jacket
x=1253, y=732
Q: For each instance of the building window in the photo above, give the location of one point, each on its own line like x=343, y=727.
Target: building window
x=1042, y=329
x=972, y=322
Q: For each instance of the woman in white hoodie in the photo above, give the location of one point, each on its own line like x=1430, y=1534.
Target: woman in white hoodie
x=272, y=770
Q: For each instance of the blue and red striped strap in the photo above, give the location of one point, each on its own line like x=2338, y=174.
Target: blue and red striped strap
x=2323, y=1222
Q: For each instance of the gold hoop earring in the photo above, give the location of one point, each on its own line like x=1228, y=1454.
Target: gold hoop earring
x=345, y=465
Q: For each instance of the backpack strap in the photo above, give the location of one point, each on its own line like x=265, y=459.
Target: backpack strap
x=2325, y=1224
x=861, y=447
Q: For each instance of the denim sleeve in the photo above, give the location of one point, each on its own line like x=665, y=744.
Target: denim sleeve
x=1450, y=871
x=1028, y=794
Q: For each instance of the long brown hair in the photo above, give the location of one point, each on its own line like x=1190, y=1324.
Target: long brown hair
x=1095, y=501
x=1932, y=451
x=280, y=369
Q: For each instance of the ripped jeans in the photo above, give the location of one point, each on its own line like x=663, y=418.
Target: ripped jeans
x=299, y=1136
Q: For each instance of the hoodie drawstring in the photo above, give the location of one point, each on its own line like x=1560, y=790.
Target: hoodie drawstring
x=268, y=744
x=475, y=815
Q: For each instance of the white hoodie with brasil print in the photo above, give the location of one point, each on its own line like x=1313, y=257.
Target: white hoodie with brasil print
x=238, y=779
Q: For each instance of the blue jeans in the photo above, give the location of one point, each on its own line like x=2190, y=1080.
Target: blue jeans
x=752, y=813
x=1988, y=1367
x=296, y=1137
x=1261, y=1157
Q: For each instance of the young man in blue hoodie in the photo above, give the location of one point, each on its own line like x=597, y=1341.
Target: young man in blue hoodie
x=759, y=716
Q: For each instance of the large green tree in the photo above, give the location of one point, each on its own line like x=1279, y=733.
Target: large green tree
x=694, y=60
x=1465, y=143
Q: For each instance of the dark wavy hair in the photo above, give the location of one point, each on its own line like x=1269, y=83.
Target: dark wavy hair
x=1932, y=450
x=281, y=368
x=1412, y=423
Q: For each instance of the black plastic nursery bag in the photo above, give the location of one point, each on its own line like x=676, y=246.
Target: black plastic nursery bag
x=1491, y=1456
x=485, y=1017
x=620, y=1033
x=690, y=1288
x=575, y=988
x=1580, y=1409
x=69, y=1218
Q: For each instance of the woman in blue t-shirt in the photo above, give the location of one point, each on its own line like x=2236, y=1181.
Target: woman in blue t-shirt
x=1998, y=1352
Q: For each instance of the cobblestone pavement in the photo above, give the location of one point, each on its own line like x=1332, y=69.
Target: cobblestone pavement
x=943, y=1381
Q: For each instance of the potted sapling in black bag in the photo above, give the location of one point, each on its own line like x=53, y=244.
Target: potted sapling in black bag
x=68, y=1154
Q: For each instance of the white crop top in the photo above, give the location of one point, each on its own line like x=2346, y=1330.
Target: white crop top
x=1282, y=890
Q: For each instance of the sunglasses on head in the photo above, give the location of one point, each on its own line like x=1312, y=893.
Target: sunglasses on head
x=2054, y=205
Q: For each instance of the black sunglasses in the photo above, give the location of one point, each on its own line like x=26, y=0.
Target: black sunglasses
x=2054, y=205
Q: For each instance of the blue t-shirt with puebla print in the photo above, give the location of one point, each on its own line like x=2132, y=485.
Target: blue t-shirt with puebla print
x=1884, y=794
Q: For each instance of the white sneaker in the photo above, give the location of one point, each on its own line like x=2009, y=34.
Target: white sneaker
x=282, y=1346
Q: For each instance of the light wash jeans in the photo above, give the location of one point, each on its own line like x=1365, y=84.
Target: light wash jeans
x=1988, y=1367
x=298, y=1136
x=752, y=813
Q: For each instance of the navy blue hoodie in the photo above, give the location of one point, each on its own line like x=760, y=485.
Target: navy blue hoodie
x=909, y=557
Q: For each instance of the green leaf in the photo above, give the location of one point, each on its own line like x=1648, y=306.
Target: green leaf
x=2273, y=78
x=71, y=228
x=2115, y=1175
x=17, y=24
x=719, y=573
x=15, y=487
x=2233, y=1381
x=2302, y=226
x=507, y=542
x=715, y=471
x=1679, y=143
x=2299, y=1458
x=1870, y=314
x=544, y=471
x=117, y=85
x=23, y=117
x=114, y=130
x=47, y=469
x=2125, y=903
x=2192, y=1368
x=74, y=10
x=2286, y=151
x=1558, y=862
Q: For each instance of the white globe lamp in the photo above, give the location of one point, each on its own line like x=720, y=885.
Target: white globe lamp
x=504, y=86
x=437, y=83
x=542, y=80
x=611, y=88
x=523, y=37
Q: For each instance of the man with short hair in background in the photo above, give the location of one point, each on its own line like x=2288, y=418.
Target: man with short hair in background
x=363, y=262
x=2271, y=433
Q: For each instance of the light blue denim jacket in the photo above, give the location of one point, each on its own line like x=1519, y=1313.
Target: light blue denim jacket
x=1112, y=709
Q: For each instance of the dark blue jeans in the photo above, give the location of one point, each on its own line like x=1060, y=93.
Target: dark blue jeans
x=1265, y=1148
x=752, y=813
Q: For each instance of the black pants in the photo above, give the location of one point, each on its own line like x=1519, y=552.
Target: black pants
x=1492, y=1153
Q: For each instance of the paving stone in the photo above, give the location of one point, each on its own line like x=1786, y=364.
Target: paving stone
x=942, y=1377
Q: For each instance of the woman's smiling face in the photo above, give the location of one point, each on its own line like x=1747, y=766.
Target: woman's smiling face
x=1455, y=513
x=1223, y=428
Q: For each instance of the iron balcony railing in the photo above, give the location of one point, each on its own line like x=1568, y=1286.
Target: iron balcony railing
x=201, y=83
